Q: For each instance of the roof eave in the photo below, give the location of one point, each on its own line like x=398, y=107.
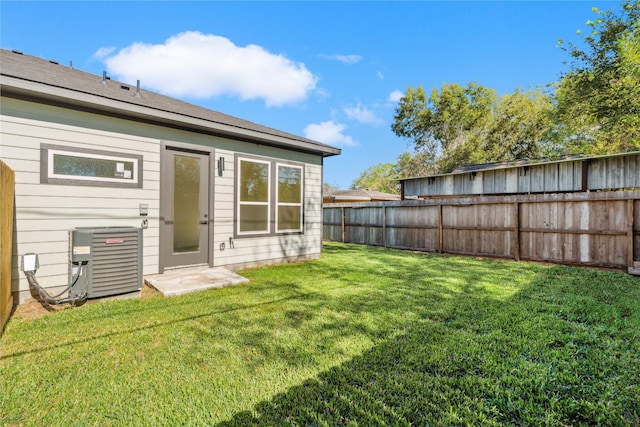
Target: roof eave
x=81, y=99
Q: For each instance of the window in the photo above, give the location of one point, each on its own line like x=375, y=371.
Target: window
x=269, y=197
x=289, y=204
x=64, y=165
x=253, y=197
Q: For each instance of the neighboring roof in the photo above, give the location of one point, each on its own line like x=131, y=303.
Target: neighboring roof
x=519, y=163
x=358, y=196
x=514, y=163
x=47, y=81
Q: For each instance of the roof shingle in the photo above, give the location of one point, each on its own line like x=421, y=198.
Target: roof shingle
x=29, y=68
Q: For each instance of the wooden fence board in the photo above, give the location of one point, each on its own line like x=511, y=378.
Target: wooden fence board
x=597, y=173
x=332, y=229
x=596, y=229
x=636, y=231
x=7, y=193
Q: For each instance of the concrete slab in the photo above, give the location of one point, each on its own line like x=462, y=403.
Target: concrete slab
x=185, y=280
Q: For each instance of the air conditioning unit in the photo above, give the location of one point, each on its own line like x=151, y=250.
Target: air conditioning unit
x=105, y=261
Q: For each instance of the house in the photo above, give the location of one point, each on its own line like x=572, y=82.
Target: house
x=343, y=196
x=205, y=188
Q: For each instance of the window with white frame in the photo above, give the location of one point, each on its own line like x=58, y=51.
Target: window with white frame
x=254, y=208
x=66, y=165
x=269, y=197
x=289, y=202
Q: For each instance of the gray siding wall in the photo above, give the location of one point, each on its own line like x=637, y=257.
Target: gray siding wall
x=252, y=251
x=46, y=212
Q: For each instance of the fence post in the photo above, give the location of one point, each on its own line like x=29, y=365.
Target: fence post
x=342, y=222
x=630, y=238
x=516, y=232
x=440, y=230
x=384, y=226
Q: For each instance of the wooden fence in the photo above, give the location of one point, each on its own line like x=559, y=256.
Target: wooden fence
x=591, y=229
x=7, y=189
x=612, y=172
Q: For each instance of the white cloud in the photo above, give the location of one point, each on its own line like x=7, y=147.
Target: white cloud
x=103, y=52
x=329, y=133
x=345, y=59
x=395, y=96
x=362, y=114
x=192, y=64
x=380, y=75
x=323, y=94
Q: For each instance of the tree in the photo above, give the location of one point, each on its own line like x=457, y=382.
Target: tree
x=465, y=125
x=598, y=99
x=452, y=122
x=418, y=163
x=384, y=176
x=328, y=188
x=630, y=55
x=521, y=127
x=381, y=177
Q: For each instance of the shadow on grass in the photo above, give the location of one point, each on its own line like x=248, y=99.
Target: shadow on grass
x=561, y=350
x=363, y=336
x=171, y=320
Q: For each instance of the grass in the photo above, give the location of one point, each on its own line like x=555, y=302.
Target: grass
x=363, y=336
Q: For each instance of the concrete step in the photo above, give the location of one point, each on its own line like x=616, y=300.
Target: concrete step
x=192, y=279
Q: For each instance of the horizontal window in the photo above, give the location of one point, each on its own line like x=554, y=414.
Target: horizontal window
x=64, y=165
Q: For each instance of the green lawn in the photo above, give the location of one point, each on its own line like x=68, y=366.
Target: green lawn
x=363, y=336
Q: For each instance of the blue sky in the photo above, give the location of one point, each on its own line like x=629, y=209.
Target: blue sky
x=330, y=71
